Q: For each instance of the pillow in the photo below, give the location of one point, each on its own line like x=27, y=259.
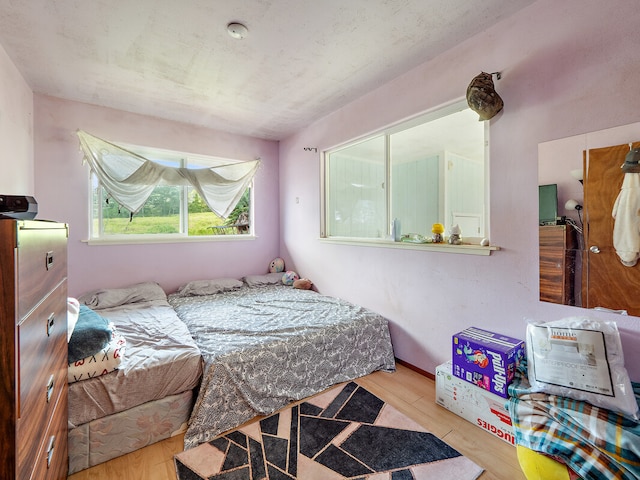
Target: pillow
x=580, y=358
x=114, y=297
x=209, y=287
x=266, y=279
x=91, y=334
x=101, y=363
x=73, y=310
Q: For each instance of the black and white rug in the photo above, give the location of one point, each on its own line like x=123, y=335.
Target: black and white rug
x=344, y=433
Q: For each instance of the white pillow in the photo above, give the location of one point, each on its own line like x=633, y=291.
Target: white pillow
x=209, y=287
x=73, y=311
x=580, y=358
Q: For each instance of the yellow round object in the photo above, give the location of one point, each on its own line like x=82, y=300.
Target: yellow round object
x=537, y=466
x=437, y=228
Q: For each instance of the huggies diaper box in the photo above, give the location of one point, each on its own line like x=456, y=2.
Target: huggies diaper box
x=486, y=359
x=478, y=406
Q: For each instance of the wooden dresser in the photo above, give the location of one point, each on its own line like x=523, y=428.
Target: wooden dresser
x=558, y=250
x=33, y=350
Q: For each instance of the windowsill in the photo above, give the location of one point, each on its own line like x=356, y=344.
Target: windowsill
x=144, y=240
x=467, y=249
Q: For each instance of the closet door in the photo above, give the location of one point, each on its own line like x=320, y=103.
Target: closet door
x=609, y=283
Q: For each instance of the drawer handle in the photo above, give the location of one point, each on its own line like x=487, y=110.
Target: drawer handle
x=50, y=385
x=49, y=260
x=50, y=324
x=50, y=448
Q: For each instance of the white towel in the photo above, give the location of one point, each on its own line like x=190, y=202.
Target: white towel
x=626, y=212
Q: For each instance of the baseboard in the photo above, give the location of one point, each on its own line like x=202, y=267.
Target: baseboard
x=424, y=373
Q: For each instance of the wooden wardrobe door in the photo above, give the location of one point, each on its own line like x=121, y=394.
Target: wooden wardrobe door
x=609, y=283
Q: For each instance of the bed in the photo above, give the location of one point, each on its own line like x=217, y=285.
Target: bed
x=246, y=347
x=265, y=344
x=148, y=395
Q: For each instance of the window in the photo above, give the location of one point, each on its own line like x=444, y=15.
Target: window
x=174, y=211
x=428, y=170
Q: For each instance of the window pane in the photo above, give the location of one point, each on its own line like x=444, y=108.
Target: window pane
x=170, y=210
x=159, y=215
x=357, y=195
x=415, y=185
x=202, y=221
x=435, y=167
x=437, y=175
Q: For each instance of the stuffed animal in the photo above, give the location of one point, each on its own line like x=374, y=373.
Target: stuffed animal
x=455, y=237
x=289, y=277
x=302, y=284
x=276, y=265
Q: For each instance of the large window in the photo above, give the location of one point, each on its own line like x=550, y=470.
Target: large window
x=424, y=171
x=170, y=211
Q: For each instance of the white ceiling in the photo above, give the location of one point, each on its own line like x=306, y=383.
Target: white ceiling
x=301, y=60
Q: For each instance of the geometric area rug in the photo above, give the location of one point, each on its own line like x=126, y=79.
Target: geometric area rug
x=343, y=433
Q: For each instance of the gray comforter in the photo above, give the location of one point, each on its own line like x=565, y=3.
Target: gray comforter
x=267, y=346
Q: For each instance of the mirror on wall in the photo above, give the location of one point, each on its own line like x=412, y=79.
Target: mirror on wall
x=580, y=179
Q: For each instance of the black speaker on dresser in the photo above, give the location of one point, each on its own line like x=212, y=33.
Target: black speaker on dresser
x=18, y=206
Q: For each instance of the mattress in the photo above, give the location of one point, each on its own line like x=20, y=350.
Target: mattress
x=109, y=437
x=266, y=346
x=161, y=360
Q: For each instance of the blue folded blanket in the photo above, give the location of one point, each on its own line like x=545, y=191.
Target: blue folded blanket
x=90, y=335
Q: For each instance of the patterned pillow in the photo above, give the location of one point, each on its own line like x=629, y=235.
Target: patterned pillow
x=101, y=363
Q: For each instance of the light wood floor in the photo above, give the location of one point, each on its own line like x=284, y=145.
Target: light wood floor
x=408, y=391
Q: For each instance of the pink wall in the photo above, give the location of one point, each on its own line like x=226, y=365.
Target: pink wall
x=568, y=68
x=61, y=188
x=16, y=130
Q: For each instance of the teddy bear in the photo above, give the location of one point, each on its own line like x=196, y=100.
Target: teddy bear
x=302, y=284
x=455, y=237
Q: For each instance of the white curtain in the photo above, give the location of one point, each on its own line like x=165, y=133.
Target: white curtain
x=130, y=178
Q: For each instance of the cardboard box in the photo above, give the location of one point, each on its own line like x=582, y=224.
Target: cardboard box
x=480, y=407
x=486, y=359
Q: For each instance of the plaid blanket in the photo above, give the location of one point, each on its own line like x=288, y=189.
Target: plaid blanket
x=594, y=442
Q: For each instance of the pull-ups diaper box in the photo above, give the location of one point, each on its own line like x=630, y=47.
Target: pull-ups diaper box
x=486, y=359
x=480, y=407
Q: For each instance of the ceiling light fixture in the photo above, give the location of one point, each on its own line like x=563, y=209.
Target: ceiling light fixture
x=237, y=30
